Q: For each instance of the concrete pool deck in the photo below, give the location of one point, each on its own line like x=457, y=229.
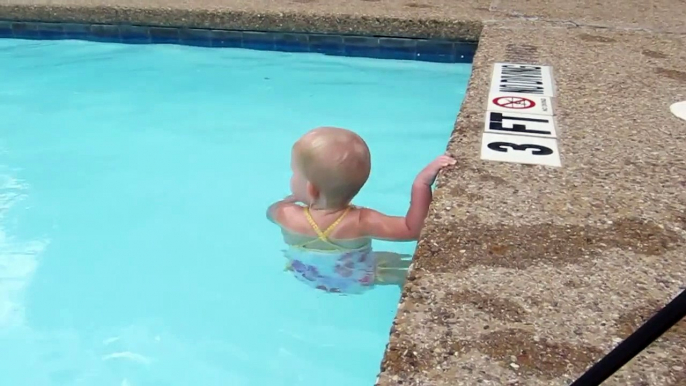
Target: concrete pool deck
x=524, y=275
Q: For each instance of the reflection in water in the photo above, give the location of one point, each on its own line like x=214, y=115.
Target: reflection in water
x=392, y=268
x=18, y=258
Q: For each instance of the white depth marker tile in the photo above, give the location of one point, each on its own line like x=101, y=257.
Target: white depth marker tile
x=520, y=124
x=520, y=149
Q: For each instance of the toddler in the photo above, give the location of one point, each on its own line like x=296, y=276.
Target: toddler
x=329, y=240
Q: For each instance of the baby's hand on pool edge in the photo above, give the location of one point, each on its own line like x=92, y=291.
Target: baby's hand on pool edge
x=428, y=174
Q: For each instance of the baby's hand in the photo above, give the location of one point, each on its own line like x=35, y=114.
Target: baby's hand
x=428, y=174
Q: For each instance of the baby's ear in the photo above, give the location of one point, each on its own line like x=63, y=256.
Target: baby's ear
x=312, y=191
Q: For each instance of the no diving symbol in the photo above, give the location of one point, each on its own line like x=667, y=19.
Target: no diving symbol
x=517, y=103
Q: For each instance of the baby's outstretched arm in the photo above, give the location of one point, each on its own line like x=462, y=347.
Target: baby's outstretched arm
x=379, y=226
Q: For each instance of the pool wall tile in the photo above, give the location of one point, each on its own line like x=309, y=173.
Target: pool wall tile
x=361, y=41
x=291, y=42
x=135, y=34
x=165, y=35
x=361, y=46
x=221, y=38
x=6, y=29
x=26, y=30
x=464, y=51
x=326, y=44
x=342, y=45
x=51, y=31
x=196, y=37
x=76, y=31
x=258, y=40
x=435, y=47
x=105, y=33
x=398, y=48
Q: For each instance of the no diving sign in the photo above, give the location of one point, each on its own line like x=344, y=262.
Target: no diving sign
x=513, y=103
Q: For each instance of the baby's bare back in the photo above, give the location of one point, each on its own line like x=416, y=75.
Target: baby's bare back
x=347, y=233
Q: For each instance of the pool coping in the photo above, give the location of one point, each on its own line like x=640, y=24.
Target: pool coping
x=236, y=19
x=458, y=324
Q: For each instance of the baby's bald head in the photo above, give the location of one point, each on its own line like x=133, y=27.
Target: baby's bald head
x=335, y=161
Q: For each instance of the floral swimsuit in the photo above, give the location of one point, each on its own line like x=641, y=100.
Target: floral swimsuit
x=339, y=270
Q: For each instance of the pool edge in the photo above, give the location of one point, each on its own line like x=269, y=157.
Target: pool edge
x=246, y=20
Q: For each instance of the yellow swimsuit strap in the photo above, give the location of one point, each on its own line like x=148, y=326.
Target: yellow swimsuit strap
x=324, y=235
x=321, y=235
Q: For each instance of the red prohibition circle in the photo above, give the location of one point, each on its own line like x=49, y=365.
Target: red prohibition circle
x=512, y=102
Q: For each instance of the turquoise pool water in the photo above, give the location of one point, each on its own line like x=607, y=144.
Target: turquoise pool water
x=134, y=179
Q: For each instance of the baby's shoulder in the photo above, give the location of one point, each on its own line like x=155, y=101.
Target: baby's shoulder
x=355, y=218
x=363, y=213
x=286, y=212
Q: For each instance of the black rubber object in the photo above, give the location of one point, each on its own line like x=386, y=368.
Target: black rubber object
x=652, y=329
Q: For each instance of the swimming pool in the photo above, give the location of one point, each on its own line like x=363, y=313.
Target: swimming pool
x=134, y=179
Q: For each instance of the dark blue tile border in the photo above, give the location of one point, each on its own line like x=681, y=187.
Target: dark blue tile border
x=446, y=51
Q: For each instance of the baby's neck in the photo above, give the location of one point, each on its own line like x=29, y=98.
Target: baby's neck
x=328, y=208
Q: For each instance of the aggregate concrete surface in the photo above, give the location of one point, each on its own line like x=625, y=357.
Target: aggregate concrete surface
x=524, y=275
